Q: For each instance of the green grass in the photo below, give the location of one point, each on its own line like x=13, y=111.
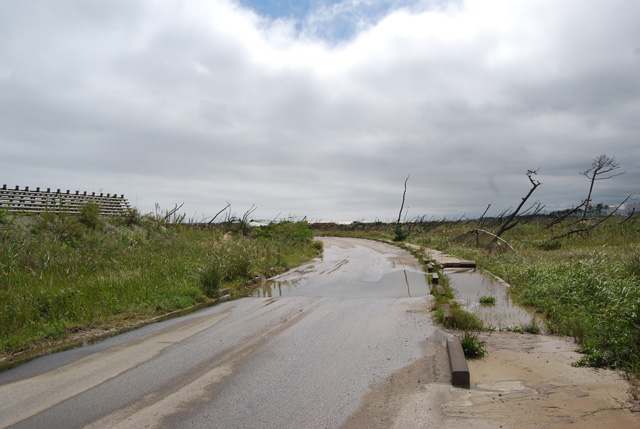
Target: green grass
x=487, y=300
x=460, y=318
x=63, y=273
x=472, y=346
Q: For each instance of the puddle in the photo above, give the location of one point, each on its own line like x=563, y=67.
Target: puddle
x=352, y=268
x=470, y=285
x=396, y=284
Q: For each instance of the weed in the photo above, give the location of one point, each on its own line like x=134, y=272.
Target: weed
x=531, y=327
x=438, y=314
x=472, y=346
x=487, y=300
x=210, y=279
x=462, y=319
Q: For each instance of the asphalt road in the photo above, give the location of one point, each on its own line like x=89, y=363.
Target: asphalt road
x=306, y=351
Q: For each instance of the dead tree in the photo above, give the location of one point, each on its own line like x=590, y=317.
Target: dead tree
x=513, y=218
x=404, y=194
x=600, y=166
x=399, y=233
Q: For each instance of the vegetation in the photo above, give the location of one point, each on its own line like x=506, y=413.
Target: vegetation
x=488, y=300
x=61, y=273
x=458, y=317
x=472, y=346
x=586, y=285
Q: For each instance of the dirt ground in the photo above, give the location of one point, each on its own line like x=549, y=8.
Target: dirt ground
x=525, y=381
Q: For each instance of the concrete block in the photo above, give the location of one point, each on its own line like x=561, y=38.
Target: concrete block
x=448, y=315
x=440, y=290
x=459, y=369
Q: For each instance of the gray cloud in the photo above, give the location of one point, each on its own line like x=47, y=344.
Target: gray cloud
x=206, y=102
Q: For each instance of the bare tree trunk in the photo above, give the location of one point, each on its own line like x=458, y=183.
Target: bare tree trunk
x=403, y=196
x=400, y=235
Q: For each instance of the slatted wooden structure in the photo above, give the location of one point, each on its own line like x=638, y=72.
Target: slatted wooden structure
x=37, y=201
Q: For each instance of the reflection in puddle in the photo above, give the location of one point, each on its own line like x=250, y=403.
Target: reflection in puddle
x=470, y=285
x=396, y=284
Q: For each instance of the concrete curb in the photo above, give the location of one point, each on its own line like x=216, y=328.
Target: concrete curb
x=458, y=363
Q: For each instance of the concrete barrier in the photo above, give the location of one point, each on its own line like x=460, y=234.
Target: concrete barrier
x=453, y=263
x=448, y=315
x=457, y=361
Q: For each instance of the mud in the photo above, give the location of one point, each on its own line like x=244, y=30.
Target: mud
x=525, y=381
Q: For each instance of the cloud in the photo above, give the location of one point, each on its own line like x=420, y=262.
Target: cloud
x=204, y=102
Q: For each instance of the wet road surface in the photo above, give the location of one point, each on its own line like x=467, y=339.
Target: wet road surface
x=284, y=360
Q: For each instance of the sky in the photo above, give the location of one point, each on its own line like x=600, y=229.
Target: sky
x=321, y=109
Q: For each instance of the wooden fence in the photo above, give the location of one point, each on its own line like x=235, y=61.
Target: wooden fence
x=37, y=201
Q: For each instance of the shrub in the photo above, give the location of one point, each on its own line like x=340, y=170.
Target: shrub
x=63, y=226
x=399, y=233
x=132, y=217
x=90, y=215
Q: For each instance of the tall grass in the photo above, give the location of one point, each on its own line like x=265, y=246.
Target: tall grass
x=62, y=273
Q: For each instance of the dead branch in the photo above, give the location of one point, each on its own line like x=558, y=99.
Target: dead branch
x=629, y=217
x=248, y=213
x=481, y=220
x=562, y=217
x=214, y=218
x=171, y=213
x=510, y=223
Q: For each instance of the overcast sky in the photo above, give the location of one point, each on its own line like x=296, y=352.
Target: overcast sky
x=321, y=108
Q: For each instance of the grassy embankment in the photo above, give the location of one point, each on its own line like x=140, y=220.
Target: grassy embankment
x=61, y=274
x=587, y=286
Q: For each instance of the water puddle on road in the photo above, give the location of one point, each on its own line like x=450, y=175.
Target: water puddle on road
x=396, y=284
x=470, y=285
